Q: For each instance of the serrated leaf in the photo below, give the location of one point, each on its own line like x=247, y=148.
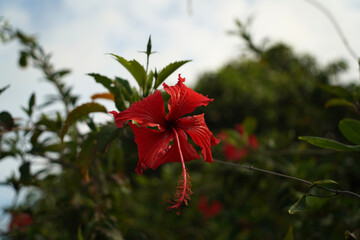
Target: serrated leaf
x=329, y=144
x=125, y=83
x=138, y=73
x=300, y=205
x=6, y=120
x=350, y=128
x=103, y=80
x=134, y=68
x=167, y=71
x=322, y=182
x=338, y=102
x=79, y=112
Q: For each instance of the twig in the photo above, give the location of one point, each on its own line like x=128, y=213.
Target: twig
x=250, y=167
x=337, y=28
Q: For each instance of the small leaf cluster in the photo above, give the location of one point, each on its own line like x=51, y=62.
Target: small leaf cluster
x=148, y=81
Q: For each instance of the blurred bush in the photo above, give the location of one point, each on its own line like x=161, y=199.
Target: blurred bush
x=97, y=195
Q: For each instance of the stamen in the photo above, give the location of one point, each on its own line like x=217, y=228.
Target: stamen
x=183, y=190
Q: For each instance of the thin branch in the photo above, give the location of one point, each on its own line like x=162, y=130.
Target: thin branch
x=296, y=151
x=337, y=28
x=250, y=167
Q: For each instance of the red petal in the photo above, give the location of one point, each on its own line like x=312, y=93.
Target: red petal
x=234, y=154
x=148, y=112
x=154, y=147
x=188, y=151
x=183, y=100
x=253, y=142
x=240, y=129
x=196, y=127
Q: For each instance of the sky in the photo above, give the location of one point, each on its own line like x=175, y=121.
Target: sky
x=79, y=34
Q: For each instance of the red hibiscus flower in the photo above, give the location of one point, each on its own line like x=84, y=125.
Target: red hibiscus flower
x=209, y=210
x=247, y=144
x=19, y=221
x=164, y=138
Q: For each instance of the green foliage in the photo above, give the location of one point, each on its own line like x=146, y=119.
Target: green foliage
x=167, y=71
x=6, y=120
x=321, y=182
x=79, y=112
x=135, y=69
x=290, y=233
x=4, y=88
x=300, y=205
x=329, y=144
x=350, y=128
x=95, y=194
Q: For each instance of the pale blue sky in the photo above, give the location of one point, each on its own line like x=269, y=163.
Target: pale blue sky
x=79, y=33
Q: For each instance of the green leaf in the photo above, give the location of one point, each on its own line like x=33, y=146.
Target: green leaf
x=290, y=233
x=105, y=81
x=23, y=59
x=148, y=47
x=339, y=91
x=322, y=182
x=53, y=148
x=31, y=104
x=134, y=68
x=125, y=83
x=79, y=234
x=80, y=111
x=300, y=205
x=338, y=102
x=249, y=125
x=329, y=144
x=149, y=83
x=348, y=234
x=86, y=154
x=4, y=154
x=4, y=88
x=166, y=71
x=350, y=128
x=53, y=125
x=25, y=176
x=62, y=73
x=106, y=135
x=6, y=120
